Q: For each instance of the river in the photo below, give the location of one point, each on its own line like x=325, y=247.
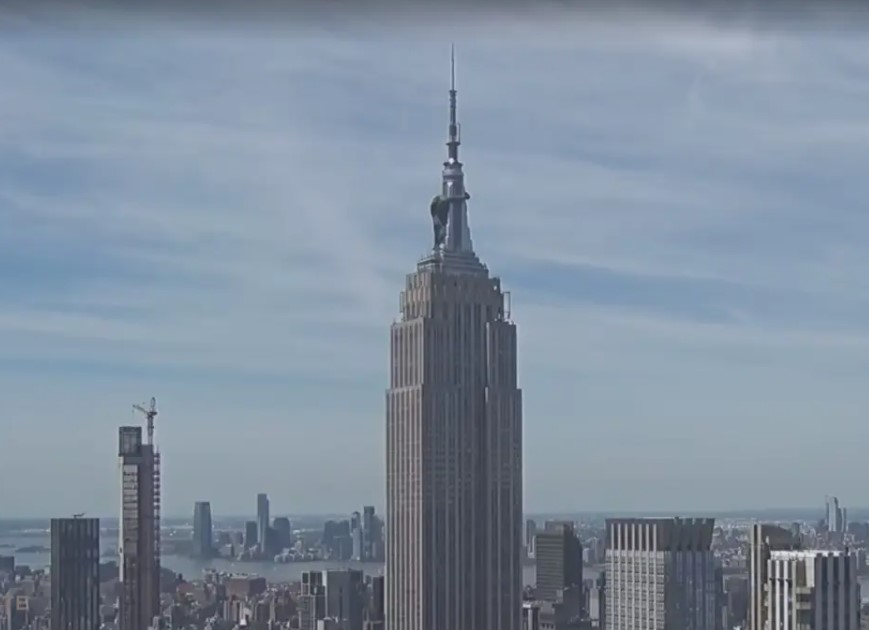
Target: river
x=192, y=568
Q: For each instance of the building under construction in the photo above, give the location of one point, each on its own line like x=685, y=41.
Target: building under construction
x=139, y=539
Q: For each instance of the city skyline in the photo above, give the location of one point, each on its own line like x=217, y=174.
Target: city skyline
x=677, y=227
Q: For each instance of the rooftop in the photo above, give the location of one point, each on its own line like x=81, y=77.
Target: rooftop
x=803, y=554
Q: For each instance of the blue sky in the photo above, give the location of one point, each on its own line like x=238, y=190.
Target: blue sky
x=222, y=216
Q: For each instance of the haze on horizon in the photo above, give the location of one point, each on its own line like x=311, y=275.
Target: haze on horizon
x=222, y=217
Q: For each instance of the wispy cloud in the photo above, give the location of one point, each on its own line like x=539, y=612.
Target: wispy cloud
x=224, y=216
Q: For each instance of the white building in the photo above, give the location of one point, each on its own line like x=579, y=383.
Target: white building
x=763, y=540
x=837, y=516
x=660, y=574
x=812, y=590
x=530, y=616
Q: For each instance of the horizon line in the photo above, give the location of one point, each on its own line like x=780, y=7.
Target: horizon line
x=526, y=515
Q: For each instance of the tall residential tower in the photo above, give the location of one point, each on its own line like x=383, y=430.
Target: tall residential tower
x=262, y=522
x=559, y=560
x=836, y=516
x=75, y=573
x=203, y=532
x=454, y=434
x=139, y=539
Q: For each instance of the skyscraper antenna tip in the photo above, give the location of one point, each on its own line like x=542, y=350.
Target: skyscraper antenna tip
x=452, y=66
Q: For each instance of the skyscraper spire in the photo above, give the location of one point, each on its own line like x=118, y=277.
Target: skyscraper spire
x=454, y=140
x=453, y=434
x=453, y=66
x=449, y=209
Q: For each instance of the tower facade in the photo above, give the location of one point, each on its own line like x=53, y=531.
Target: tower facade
x=203, y=533
x=660, y=574
x=812, y=589
x=262, y=522
x=454, y=435
x=345, y=598
x=835, y=516
x=375, y=615
x=559, y=560
x=763, y=540
x=75, y=573
x=139, y=539
x=312, y=600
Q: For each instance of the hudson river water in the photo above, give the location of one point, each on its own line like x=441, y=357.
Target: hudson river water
x=192, y=568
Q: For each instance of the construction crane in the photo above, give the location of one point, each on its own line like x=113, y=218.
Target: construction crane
x=79, y=515
x=150, y=413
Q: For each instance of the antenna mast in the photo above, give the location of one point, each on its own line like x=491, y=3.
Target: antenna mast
x=454, y=139
x=150, y=413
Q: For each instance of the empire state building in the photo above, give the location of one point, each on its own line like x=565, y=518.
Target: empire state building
x=454, y=434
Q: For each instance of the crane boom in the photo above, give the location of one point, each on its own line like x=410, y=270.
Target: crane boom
x=150, y=413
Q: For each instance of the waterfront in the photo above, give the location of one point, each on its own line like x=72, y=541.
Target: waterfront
x=193, y=568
